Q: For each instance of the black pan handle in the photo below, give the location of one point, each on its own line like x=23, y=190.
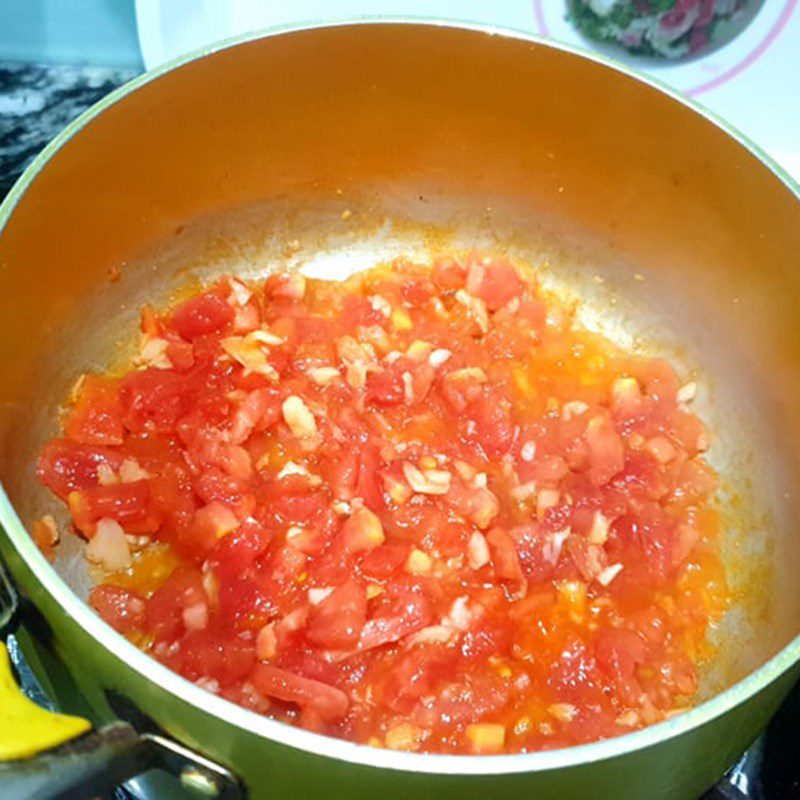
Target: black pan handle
x=95, y=762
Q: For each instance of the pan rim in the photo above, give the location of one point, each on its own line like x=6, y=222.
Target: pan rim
x=318, y=744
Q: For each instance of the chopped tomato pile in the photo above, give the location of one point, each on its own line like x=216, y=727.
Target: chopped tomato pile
x=417, y=509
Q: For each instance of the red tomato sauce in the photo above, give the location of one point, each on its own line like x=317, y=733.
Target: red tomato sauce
x=418, y=509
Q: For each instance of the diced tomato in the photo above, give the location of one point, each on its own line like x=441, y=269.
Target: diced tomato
x=495, y=537
x=590, y=559
x=127, y=503
x=534, y=314
x=504, y=556
x=329, y=702
x=401, y=610
x=646, y=541
x=359, y=312
x=209, y=524
x=494, y=428
x=122, y=609
x=233, y=554
x=618, y=651
x=574, y=676
x=494, y=281
x=606, y=451
x=259, y=410
x=286, y=566
x=332, y=567
x=695, y=482
x=153, y=400
x=418, y=293
x=537, y=552
x=211, y=654
x=382, y=562
x=690, y=432
x=354, y=473
x=336, y=623
x=164, y=614
x=448, y=273
x=417, y=674
x=463, y=702
x=384, y=389
x=344, y=475
x=550, y=469
x=246, y=603
x=96, y=417
x=492, y=635
x=180, y=354
x=171, y=498
x=659, y=380
x=65, y=466
x=215, y=485
x=204, y=314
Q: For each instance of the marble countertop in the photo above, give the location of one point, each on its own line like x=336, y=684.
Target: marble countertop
x=37, y=101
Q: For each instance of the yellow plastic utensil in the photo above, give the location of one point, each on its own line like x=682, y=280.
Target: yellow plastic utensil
x=26, y=728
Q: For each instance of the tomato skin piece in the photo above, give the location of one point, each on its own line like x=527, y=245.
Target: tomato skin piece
x=328, y=702
x=336, y=623
x=96, y=417
x=149, y=322
x=204, y=314
x=65, y=466
x=123, y=609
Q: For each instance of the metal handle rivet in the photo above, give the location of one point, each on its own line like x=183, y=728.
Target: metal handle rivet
x=200, y=782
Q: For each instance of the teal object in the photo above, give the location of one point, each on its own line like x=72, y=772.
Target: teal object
x=90, y=32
